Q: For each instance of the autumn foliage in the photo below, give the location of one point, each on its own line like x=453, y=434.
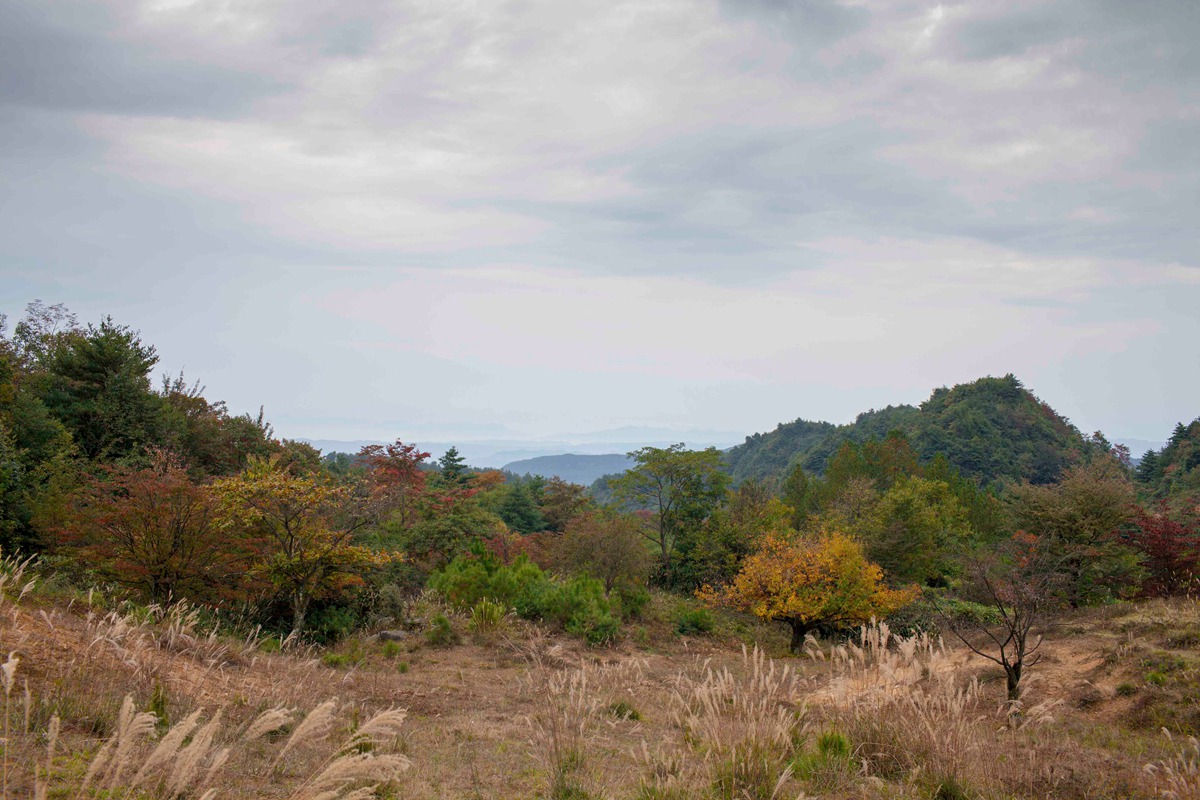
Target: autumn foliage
x=1171, y=549
x=155, y=531
x=302, y=528
x=806, y=582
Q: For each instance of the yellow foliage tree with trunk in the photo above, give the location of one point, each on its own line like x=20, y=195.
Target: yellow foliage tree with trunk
x=808, y=581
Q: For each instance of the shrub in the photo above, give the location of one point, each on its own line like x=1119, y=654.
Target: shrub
x=830, y=766
x=441, y=633
x=466, y=581
x=487, y=616
x=331, y=624
x=629, y=600
x=623, y=710
x=694, y=621
x=578, y=604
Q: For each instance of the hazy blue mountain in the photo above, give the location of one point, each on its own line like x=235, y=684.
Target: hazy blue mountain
x=572, y=467
x=497, y=453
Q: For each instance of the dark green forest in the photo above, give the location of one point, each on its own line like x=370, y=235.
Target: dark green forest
x=992, y=430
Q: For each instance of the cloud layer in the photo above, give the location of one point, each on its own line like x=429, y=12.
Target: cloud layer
x=551, y=216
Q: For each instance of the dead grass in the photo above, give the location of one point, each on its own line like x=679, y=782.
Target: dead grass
x=517, y=713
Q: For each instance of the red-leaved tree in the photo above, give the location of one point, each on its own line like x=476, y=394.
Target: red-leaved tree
x=154, y=530
x=1171, y=550
x=395, y=478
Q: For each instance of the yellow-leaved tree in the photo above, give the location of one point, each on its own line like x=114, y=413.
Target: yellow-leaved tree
x=301, y=529
x=808, y=581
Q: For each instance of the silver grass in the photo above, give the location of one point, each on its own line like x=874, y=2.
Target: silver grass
x=270, y=720
x=316, y=725
x=192, y=757
x=168, y=746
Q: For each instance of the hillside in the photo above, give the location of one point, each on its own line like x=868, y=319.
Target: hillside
x=1173, y=473
x=571, y=467
x=992, y=429
x=518, y=712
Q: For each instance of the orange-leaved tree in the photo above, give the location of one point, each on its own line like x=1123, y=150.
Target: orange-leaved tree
x=156, y=531
x=396, y=479
x=808, y=581
x=304, y=528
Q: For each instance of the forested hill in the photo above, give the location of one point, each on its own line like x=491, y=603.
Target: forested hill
x=991, y=429
x=1173, y=473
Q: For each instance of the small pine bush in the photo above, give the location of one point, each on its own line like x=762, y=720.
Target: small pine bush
x=630, y=600
x=623, y=710
x=441, y=633
x=578, y=604
x=694, y=621
x=830, y=766
x=331, y=624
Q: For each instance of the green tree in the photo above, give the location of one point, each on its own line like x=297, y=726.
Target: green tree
x=985, y=511
x=519, y=511
x=800, y=494
x=454, y=468
x=678, y=487
x=562, y=501
x=713, y=551
x=36, y=452
x=1080, y=518
x=205, y=435
x=444, y=532
x=918, y=532
x=99, y=387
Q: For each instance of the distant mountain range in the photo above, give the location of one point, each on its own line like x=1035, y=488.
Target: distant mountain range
x=571, y=467
x=992, y=429
x=499, y=453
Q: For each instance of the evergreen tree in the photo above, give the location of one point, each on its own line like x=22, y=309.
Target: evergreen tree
x=453, y=467
x=99, y=387
x=518, y=510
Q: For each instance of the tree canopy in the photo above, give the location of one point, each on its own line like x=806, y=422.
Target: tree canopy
x=808, y=582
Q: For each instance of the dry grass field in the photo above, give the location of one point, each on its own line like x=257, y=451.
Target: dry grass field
x=150, y=703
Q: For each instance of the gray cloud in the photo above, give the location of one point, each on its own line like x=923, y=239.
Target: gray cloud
x=1035, y=158
x=72, y=56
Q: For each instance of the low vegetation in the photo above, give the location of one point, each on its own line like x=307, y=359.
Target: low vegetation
x=973, y=602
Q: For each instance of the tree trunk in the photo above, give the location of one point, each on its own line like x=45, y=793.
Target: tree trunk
x=1013, y=673
x=299, y=609
x=799, y=631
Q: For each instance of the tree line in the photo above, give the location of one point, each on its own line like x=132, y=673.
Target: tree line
x=167, y=495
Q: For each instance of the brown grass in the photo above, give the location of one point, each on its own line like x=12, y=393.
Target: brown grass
x=120, y=701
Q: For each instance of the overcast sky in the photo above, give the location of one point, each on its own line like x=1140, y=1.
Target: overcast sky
x=484, y=219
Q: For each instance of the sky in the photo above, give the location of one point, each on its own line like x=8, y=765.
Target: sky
x=520, y=219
